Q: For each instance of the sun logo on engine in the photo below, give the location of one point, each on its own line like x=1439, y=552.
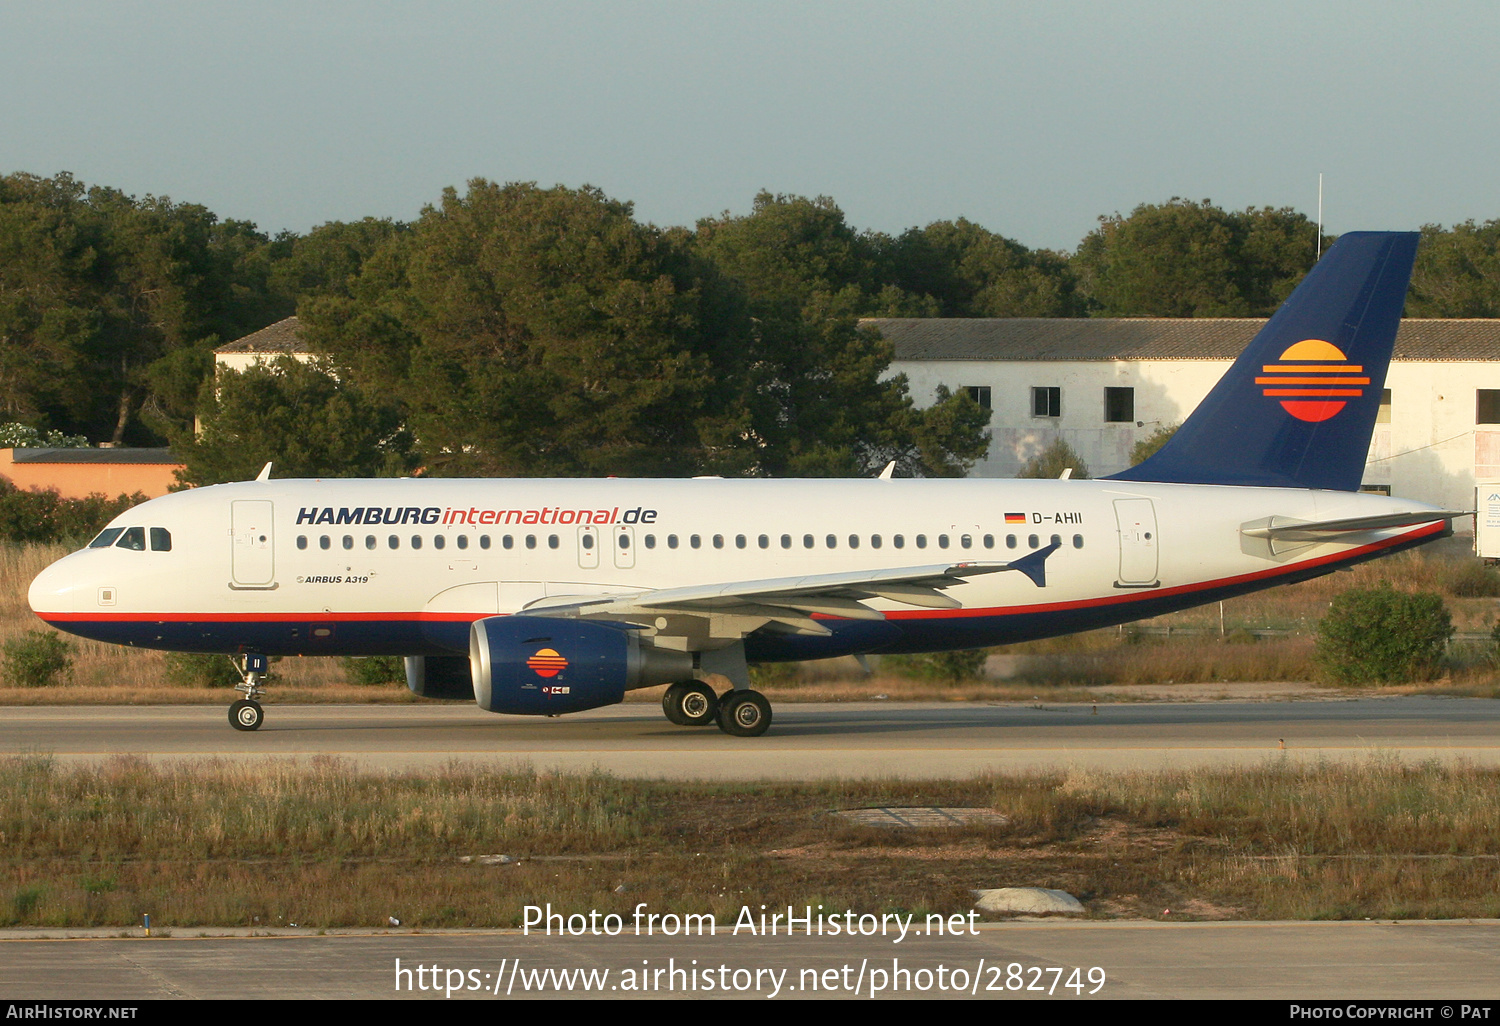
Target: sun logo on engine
x=1314, y=381
x=547, y=663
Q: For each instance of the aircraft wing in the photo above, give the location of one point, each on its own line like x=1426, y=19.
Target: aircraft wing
x=737, y=608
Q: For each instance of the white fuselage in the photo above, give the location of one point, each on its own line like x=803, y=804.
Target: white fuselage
x=293, y=566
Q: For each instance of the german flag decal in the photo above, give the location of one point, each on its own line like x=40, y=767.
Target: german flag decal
x=1015, y=518
x=1314, y=380
x=547, y=663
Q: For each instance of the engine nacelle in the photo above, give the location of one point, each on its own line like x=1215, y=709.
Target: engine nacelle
x=540, y=666
x=439, y=677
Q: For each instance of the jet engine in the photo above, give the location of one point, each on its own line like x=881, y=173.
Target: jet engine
x=539, y=666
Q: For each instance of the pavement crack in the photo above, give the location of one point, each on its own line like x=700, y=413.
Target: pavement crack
x=169, y=988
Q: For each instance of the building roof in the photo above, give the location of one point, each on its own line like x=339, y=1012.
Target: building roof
x=161, y=456
x=1022, y=339
x=281, y=337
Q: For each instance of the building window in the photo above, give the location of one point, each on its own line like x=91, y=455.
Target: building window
x=1119, y=405
x=1487, y=406
x=980, y=394
x=1383, y=415
x=1046, y=402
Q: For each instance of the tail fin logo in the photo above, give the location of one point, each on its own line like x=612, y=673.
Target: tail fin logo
x=1314, y=380
x=547, y=663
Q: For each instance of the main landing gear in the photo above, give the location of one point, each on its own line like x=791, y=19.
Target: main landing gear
x=741, y=712
x=246, y=714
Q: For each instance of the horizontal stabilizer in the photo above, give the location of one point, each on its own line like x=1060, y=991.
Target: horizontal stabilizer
x=1289, y=529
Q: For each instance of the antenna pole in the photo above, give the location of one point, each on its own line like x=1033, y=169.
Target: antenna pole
x=1320, y=215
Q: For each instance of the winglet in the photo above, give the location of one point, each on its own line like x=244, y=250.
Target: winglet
x=265, y=472
x=1034, y=565
x=889, y=471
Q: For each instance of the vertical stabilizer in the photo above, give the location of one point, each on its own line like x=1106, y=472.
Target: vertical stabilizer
x=1297, y=408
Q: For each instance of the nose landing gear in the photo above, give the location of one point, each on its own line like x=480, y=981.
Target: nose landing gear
x=246, y=713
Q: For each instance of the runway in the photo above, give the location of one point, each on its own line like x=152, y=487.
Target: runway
x=1442, y=961
x=864, y=739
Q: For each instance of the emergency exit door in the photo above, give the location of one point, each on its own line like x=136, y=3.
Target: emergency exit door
x=1136, y=519
x=254, y=549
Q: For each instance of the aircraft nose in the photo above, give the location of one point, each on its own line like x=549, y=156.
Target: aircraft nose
x=54, y=590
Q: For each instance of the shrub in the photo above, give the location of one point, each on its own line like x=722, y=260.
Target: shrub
x=374, y=670
x=37, y=659
x=195, y=670
x=1053, y=460
x=954, y=667
x=1380, y=634
x=45, y=516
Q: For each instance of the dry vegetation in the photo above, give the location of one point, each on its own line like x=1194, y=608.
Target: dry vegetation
x=323, y=845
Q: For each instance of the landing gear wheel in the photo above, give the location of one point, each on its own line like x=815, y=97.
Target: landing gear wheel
x=244, y=715
x=690, y=704
x=744, y=714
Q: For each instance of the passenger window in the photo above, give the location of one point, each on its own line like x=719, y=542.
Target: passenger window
x=369, y=541
x=1078, y=541
x=650, y=541
x=1032, y=541
x=301, y=541
x=134, y=539
x=831, y=541
x=786, y=541
x=696, y=542
x=874, y=541
x=854, y=541
x=623, y=541
x=161, y=539
x=393, y=542
x=484, y=541
x=966, y=541
x=739, y=541
x=718, y=541
x=462, y=541
x=763, y=541
x=989, y=541
x=324, y=542
x=109, y=534
x=531, y=541
x=1056, y=540
x=899, y=541
x=416, y=541
x=942, y=541
x=348, y=541
x=807, y=541
x=1010, y=541
x=438, y=541
x=671, y=541
x=921, y=541
x=553, y=541
x=588, y=542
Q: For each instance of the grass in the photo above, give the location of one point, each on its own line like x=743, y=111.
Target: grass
x=1066, y=667
x=325, y=846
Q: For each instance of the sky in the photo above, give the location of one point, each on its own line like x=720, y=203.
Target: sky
x=1032, y=119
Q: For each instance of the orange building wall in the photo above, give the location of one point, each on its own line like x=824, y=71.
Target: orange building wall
x=77, y=480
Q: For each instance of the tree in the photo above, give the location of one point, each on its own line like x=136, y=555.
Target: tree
x=1186, y=259
x=969, y=271
x=534, y=331
x=1457, y=273
x=298, y=416
x=1053, y=460
x=1151, y=444
x=97, y=289
x=818, y=402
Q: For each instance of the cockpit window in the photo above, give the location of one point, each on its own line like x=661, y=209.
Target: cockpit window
x=133, y=538
x=161, y=539
x=106, y=538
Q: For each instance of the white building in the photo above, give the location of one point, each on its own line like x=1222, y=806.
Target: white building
x=1103, y=384
x=259, y=347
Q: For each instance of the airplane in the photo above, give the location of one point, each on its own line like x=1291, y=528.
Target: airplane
x=545, y=597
